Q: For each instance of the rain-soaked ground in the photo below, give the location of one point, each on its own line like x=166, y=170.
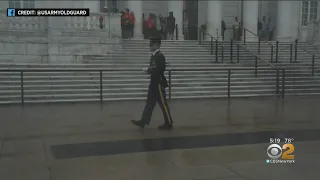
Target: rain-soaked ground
x=211, y=139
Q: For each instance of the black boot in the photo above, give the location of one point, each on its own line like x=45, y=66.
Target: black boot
x=165, y=126
x=140, y=124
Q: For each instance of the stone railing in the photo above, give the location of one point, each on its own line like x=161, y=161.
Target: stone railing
x=86, y=23
x=110, y=24
x=313, y=32
x=19, y=23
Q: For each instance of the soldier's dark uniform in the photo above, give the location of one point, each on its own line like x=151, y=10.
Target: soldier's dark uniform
x=156, y=91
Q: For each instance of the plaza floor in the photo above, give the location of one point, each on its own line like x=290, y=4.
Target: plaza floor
x=214, y=139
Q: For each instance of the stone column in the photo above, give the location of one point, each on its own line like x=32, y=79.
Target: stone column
x=250, y=19
x=54, y=30
x=176, y=6
x=136, y=8
x=286, y=29
x=214, y=17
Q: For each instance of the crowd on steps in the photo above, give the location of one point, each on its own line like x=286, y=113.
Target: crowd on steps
x=153, y=25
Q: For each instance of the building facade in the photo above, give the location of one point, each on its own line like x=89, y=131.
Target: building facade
x=289, y=19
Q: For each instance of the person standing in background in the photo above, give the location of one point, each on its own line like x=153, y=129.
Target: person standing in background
x=236, y=29
x=259, y=28
x=154, y=25
x=164, y=29
x=122, y=24
x=127, y=24
x=144, y=27
x=132, y=23
x=270, y=29
x=101, y=22
x=158, y=26
x=150, y=26
x=264, y=28
x=223, y=29
x=171, y=25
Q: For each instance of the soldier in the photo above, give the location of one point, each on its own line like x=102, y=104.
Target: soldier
x=156, y=92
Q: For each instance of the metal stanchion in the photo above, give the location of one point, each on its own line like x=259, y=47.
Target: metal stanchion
x=283, y=82
x=277, y=48
x=231, y=50
x=22, y=87
x=101, y=88
x=229, y=82
x=170, y=85
x=238, y=53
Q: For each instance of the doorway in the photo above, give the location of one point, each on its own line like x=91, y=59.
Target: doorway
x=190, y=19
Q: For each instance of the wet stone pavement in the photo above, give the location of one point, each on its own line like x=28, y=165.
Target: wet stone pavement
x=211, y=139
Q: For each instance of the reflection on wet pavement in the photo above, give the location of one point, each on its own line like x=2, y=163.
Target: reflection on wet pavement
x=213, y=139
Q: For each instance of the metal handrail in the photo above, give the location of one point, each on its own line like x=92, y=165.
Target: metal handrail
x=256, y=55
x=314, y=58
x=259, y=57
x=206, y=33
x=277, y=51
x=211, y=43
x=257, y=37
x=291, y=43
x=101, y=70
x=122, y=69
x=259, y=40
x=308, y=52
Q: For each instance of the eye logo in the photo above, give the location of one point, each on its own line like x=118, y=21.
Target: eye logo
x=275, y=151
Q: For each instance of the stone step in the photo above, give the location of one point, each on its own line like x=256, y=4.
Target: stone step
x=142, y=96
x=182, y=79
x=181, y=94
x=138, y=67
x=208, y=46
x=205, y=54
x=301, y=68
x=139, y=89
x=173, y=62
x=174, y=91
x=202, y=41
x=163, y=48
x=200, y=59
x=85, y=86
x=139, y=73
x=196, y=58
x=117, y=96
x=137, y=77
x=132, y=87
x=108, y=82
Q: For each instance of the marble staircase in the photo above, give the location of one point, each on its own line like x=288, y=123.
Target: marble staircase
x=132, y=84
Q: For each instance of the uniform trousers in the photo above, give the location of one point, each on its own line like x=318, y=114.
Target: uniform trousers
x=156, y=93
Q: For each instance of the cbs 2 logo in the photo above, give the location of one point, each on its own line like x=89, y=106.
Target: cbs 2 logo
x=275, y=151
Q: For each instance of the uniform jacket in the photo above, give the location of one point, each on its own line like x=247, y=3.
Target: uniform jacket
x=156, y=69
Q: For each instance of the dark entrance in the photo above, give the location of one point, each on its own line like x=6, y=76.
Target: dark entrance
x=190, y=19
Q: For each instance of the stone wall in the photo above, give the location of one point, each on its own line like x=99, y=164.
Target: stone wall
x=313, y=32
x=61, y=49
x=57, y=40
x=111, y=23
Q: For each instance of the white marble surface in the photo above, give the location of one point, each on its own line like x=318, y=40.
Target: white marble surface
x=58, y=24
x=137, y=8
x=313, y=35
x=60, y=50
x=177, y=8
x=214, y=18
x=250, y=17
x=287, y=21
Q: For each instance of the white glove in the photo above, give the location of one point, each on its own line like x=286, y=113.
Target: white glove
x=145, y=69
